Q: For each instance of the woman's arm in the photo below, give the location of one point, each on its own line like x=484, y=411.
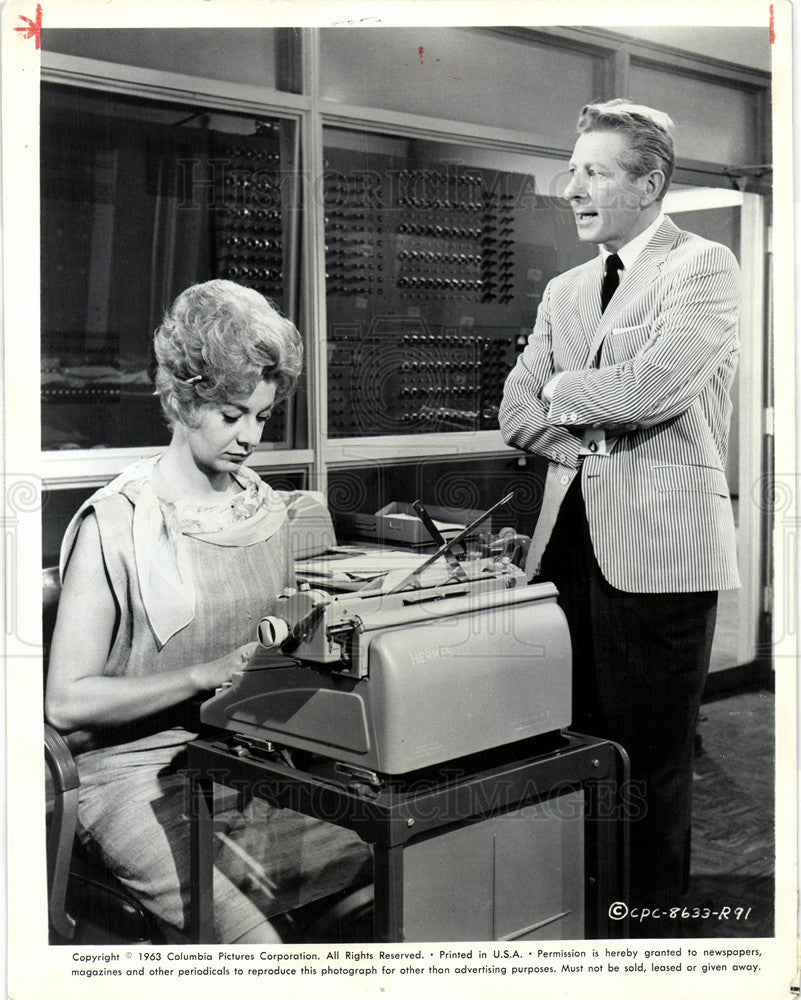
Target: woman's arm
x=78, y=695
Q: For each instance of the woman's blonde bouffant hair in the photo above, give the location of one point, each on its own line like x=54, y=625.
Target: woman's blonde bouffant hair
x=217, y=341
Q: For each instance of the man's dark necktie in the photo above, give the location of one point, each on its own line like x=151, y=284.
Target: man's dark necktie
x=611, y=279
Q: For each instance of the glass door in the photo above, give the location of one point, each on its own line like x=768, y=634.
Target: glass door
x=737, y=220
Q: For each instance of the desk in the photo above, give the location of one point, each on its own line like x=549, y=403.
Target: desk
x=532, y=780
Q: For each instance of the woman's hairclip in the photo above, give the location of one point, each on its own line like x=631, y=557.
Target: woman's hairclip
x=191, y=381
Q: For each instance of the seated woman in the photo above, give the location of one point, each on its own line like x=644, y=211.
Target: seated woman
x=166, y=573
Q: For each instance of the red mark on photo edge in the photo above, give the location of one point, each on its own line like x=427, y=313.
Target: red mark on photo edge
x=772, y=26
x=33, y=28
x=420, y=53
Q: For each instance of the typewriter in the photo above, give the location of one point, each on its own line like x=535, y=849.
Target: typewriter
x=458, y=656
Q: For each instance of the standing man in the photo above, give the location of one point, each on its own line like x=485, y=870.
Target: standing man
x=624, y=387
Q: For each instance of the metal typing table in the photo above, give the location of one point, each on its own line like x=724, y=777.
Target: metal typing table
x=428, y=806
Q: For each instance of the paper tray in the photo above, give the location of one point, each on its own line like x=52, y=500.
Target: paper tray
x=399, y=524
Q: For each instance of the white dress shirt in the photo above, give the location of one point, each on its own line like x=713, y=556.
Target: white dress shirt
x=632, y=250
x=628, y=254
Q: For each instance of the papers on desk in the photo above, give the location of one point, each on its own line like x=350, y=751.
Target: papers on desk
x=353, y=569
x=340, y=565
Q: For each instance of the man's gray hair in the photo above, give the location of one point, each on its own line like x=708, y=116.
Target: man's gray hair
x=649, y=133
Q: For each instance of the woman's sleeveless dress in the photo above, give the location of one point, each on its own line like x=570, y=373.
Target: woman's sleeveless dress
x=133, y=797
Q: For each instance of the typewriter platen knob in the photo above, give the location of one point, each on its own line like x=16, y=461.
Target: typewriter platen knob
x=272, y=631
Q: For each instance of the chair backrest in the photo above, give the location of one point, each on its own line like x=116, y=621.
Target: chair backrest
x=312, y=530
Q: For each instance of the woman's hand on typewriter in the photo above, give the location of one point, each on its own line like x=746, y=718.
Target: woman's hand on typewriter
x=208, y=676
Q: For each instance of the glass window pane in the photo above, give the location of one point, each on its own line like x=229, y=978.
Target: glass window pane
x=236, y=55
x=734, y=43
x=140, y=201
x=713, y=122
x=459, y=73
x=436, y=258
x=468, y=484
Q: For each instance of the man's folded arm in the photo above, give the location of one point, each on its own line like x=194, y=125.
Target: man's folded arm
x=694, y=335
x=524, y=422
x=523, y=415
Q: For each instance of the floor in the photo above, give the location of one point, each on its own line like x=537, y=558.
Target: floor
x=733, y=816
x=733, y=861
